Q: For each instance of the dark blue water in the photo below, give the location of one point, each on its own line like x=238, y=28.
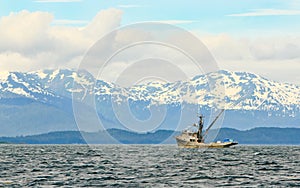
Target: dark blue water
x=148, y=166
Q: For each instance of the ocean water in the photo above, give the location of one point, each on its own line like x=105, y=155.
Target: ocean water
x=148, y=166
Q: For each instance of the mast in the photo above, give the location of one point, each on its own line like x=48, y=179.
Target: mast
x=200, y=128
x=213, y=122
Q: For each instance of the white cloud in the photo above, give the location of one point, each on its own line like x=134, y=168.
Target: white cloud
x=35, y=40
x=13, y=61
x=227, y=47
x=259, y=48
x=267, y=12
x=103, y=22
x=25, y=32
x=70, y=22
x=287, y=47
x=279, y=70
x=275, y=57
x=31, y=40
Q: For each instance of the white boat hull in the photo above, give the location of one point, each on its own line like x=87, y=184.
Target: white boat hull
x=187, y=144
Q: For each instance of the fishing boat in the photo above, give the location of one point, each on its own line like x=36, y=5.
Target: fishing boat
x=196, y=139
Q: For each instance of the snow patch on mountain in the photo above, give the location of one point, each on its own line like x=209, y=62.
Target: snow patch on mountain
x=234, y=90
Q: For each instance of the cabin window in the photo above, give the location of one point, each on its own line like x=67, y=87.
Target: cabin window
x=192, y=140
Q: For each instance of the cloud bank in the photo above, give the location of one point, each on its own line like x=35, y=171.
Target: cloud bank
x=275, y=57
x=30, y=41
x=35, y=40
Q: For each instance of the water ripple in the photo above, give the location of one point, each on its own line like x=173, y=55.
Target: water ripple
x=148, y=166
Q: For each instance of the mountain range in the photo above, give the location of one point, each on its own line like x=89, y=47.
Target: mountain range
x=46, y=100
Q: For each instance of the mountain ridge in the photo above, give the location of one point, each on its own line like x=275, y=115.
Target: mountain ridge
x=50, y=82
x=250, y=100
x=259, y=135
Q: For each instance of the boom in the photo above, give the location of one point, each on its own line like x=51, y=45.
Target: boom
x=213, y=122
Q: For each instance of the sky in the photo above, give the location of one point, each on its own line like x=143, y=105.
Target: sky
x=261, y=37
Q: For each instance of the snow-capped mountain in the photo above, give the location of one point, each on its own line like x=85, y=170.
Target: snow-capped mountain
x=14, y=84
x=240, y=92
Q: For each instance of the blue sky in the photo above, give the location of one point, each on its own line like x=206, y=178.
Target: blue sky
x=209, y=16
x=243, y=35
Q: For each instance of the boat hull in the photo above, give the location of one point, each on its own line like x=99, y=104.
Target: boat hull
x=186, y=144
